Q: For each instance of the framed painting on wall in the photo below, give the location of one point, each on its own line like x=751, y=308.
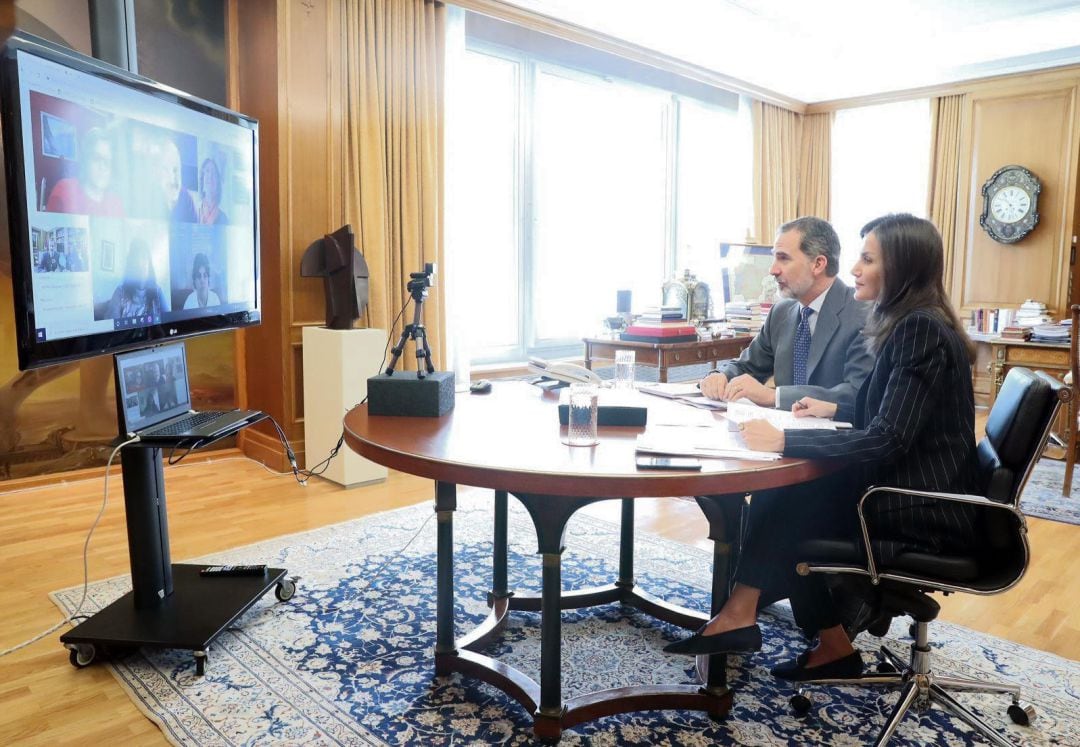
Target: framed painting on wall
x=745, y=271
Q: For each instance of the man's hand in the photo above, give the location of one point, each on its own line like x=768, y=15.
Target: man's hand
x=808, y=407
x=760, y=436
x=747, y=386
x=713, y=385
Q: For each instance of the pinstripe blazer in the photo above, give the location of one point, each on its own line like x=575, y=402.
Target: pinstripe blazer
x=914, y=421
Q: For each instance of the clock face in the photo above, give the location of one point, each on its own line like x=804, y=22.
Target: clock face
x=1010, y=204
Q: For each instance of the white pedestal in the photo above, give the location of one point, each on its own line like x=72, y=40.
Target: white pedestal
x=337, y=364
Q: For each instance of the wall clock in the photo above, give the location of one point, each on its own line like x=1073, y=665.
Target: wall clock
x=1010, y=204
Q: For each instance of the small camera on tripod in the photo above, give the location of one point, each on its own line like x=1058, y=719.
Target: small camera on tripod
x=431, y=393
x=421, y=281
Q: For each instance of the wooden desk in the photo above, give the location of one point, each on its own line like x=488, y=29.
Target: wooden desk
x=667, y=356
x=1053, y=358
x=509, y=441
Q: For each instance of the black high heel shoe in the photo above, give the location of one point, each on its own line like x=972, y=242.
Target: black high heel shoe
x=737, y=641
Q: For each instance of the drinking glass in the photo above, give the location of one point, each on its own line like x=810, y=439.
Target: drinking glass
x=581, y=425
x=624, y=369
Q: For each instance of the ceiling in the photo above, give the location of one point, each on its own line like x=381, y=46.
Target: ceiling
x=820, y=50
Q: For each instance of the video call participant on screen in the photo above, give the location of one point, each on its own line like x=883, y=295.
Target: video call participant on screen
x=914, y=428
x=138, y=293
x=201, y=296
x=150, y=398
x=210, y=211
x=176, y=201
x=87, y=193
x=811, y=343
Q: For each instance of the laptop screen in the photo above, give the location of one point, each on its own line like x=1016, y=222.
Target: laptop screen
x=153, y=385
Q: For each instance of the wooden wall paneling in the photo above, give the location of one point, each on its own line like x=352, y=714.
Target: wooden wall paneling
x=1034, y=126
x=258, y=91
x=291, y=77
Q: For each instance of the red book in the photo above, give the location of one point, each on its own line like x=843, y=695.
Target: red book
x=675, y=330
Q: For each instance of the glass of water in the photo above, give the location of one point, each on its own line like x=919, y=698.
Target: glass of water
x=624, y=369
x=581, y=425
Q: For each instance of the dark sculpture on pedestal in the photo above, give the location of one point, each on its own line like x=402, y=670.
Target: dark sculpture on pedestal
x=336, y=260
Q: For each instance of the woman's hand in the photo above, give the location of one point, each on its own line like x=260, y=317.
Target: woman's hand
x=808, y=407
x=760, y=436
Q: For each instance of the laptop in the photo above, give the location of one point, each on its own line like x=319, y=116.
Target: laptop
x=154, y=399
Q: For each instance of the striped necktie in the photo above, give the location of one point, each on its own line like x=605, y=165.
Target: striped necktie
x=802, y=345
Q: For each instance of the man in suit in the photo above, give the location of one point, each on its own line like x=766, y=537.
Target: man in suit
x=811, y=344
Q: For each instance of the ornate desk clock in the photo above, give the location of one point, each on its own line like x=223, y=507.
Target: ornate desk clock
x=1010, y=204
x=690, y=295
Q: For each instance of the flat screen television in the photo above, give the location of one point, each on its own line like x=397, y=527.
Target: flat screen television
x=133, y=208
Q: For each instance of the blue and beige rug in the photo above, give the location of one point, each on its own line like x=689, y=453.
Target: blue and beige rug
x=1042, y=495
x=347, y=661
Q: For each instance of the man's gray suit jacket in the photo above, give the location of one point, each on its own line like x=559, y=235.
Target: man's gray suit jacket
x=839, y=359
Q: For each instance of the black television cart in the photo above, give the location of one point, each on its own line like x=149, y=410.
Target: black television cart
x=170, y=605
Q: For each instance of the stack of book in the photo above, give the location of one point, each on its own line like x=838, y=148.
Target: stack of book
x=746, y=316
x=1014, y=332
x=660, y=324
x=1032, y=313
x=1051, y=333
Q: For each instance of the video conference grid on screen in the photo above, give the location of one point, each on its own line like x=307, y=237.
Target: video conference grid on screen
x=141, y=212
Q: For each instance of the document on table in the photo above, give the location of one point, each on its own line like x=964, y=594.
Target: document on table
x=685, y=392
x=699, y=442
x=740, y=412
x=684, y=416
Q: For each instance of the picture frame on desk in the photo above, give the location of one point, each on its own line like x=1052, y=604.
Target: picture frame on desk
x=745, y=272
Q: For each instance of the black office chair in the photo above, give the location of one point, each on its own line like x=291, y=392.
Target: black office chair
x=1016, y=433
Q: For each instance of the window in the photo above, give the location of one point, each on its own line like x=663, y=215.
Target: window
x=564, y=186
x=880, y=164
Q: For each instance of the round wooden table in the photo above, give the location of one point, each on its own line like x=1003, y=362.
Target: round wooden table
x=509, y=441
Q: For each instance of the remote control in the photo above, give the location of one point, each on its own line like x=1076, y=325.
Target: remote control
x=233, y=570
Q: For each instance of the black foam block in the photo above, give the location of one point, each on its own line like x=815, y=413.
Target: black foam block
x=611, y=415
x=404, y=394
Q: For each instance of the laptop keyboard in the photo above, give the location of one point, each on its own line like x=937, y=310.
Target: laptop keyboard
x=186, y=424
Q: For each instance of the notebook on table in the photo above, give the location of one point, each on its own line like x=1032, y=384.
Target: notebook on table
x=154, y=399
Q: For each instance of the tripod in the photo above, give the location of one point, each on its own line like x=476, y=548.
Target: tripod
x=417, y=287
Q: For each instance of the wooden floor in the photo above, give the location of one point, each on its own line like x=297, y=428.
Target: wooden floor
x=232, y=501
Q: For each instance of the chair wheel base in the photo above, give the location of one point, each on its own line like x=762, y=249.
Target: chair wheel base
x=800, y=704
x=1022, y=714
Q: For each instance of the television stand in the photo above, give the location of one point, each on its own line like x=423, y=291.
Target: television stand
x=170, y=605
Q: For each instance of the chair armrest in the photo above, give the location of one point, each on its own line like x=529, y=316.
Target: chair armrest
x=977, y=500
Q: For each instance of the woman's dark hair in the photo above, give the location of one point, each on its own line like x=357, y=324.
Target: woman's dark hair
x=211, y=164
x=199, y=262
x=138, y=251
x=913, y=268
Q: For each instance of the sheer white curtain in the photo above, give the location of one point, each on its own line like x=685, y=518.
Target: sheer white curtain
x=880, y=164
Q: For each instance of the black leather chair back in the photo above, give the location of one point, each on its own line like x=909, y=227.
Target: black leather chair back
x=1016, y=432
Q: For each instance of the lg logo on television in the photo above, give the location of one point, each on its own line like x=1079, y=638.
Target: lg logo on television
x=172, y=331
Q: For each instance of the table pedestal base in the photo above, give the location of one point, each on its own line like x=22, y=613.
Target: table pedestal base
x=551, y=713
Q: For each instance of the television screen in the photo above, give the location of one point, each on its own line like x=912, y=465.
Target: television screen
x=132, y=208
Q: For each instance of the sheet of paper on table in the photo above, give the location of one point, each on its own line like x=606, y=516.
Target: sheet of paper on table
x=685, y=416
x=699, y=442
x=685, y=392
x=744, y=410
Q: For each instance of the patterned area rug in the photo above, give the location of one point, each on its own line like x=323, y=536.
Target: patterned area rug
x=1042, y=495
x=347, y=661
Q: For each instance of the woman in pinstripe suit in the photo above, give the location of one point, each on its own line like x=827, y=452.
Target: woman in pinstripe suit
x=914, y=421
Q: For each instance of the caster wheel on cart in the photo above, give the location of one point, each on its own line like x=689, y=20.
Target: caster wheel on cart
x=82, y=654
x=285, y=590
